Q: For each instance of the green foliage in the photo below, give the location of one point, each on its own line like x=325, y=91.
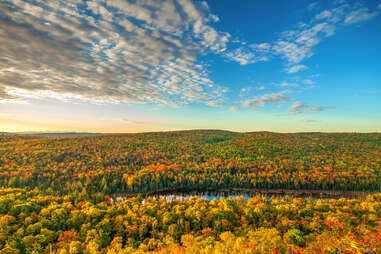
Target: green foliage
x=91, y=167
x=295, y=236
x=55, y=194
x=191, y=226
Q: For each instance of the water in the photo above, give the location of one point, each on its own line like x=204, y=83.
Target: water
x=185, y=196
x=169, y=196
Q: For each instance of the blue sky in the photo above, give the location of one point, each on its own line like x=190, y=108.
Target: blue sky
x=131, y=66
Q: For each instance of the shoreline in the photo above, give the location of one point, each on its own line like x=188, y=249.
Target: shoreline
x=248, y=191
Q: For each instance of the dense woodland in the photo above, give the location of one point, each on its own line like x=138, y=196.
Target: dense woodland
x=139, y=163
x=55, y=193
x=32, y=222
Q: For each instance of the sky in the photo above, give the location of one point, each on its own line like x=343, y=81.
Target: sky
x=136, y=66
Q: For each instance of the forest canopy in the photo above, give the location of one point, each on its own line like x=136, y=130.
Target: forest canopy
x=56, y=194
x=141, y=163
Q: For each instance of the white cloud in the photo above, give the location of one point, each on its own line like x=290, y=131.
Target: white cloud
x=6, y=96
x=132, y=121
x=245, y=56
x=140, y=51
x=251, y=88
x=262, y=47
x=268, y=99
x=214, y=103
x=234, y=108
x=296, y=68
x=379, y=6
x=309, y=120
x=359, y=15
x=313, y=6
x=300, y=107
x=308, y=82
x=249, y=54
x=324, y=15
x=286, y=84
x=297, y=44
x=338, y=2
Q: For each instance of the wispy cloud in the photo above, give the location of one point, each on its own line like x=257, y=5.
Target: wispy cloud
x=248, y=89
x=287, y=84
x=309, y=120
x=300, y=107
x=214, y=103
x=359, y=15
x=246, y=56
x=297, y=44
x=268, y=99
x=313, y=6
x=259, y=88
x=324, y=15
x=132, y=121
x=296, y=68
x=234, y=108
x=5, y=96
x=109, y=51
x=308, y=82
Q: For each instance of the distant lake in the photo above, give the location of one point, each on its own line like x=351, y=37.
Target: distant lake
x=169, y=195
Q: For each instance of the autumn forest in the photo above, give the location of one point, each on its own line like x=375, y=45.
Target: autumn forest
x=60, y=195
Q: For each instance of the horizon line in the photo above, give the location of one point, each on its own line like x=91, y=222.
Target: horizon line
x=180, y=130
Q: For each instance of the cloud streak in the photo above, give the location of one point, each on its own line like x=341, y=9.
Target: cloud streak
x=287, y=84
x=268, y=99
x=309, y=121
x=296, y=68
x=132, y=121
x=297, y=44
x=214, y=103
x=300, y=107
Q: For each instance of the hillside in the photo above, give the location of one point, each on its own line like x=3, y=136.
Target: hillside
x=201, y=159
x=56, y=194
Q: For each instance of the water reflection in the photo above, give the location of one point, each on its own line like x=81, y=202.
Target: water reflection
x=170, y=196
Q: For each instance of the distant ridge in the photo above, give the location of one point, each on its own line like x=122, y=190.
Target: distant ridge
x=62, y=134
x=173, y=132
